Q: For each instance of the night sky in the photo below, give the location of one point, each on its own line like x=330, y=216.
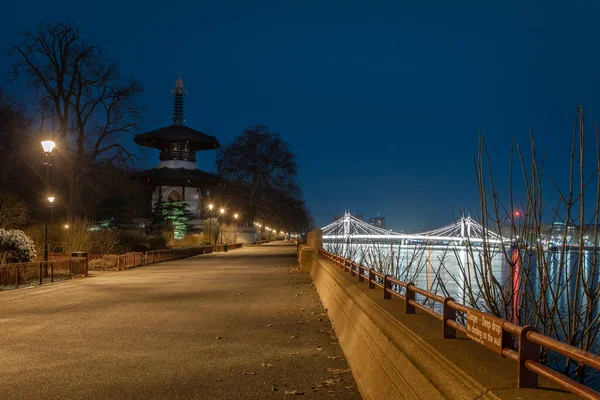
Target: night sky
x=381, y=101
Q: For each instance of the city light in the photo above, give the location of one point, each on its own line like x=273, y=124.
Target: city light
x=210, y=206
x=51, y=199
x=235, y=216
x=222, y=211
x=66, y=226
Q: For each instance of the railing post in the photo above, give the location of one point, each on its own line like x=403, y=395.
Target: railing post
x=70, y=268
x=41, y=271
x=527, y=351
x=371, y=279
x=52, y=272
x=387, y=284
x=410, y=295
x=361, y=276
x=352, y=272
x=17, y=268
x=448, y=314
x=118, y=262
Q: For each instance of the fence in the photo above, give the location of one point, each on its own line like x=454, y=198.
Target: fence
x=129, y=260
x=221, y=247
x=156, y=256
x=15, y=275
x=61, y=266
x=494, y=333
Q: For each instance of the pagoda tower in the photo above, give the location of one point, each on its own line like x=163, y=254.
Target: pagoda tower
x=177, y=177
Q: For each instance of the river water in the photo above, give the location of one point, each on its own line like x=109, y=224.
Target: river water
x=462, y=273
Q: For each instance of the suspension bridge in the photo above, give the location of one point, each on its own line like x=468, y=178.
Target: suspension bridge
x=465, y=230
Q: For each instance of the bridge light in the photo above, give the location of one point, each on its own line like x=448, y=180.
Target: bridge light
x=517, y=213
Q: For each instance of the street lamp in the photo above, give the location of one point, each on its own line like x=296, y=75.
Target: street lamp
x=66, y=226
x=48, y=146
x=235, y=216
x=222, y=210
x=210, y=207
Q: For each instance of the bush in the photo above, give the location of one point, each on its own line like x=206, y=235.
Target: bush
x=189, y=240
x=157, y=242
x=101, y=264
x=104, y=241
x=78, y=237
x=37, y=233
x=15, y=246
x=132, y=241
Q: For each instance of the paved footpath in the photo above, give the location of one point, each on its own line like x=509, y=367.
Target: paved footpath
x=246, y=324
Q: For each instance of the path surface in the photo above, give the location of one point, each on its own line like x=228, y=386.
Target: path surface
x=246, y=324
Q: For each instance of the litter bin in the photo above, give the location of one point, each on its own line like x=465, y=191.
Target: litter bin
x=82, y=254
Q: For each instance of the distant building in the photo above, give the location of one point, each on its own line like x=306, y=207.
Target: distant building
x=378, y=222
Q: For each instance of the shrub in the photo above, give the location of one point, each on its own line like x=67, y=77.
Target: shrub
x=15, y=246
x=157, y=242
x=78, y=237
x=36, y=233
x=133, y=240
x=104, y=241
x=100, y=264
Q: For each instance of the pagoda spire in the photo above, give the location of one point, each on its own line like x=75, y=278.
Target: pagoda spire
x=179, y=91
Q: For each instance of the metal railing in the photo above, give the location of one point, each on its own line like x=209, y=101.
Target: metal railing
x=16, y=275
x=528, y=340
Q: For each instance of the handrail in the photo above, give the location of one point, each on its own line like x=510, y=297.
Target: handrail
x=529, y=340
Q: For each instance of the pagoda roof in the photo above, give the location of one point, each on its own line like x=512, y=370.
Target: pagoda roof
x=176, y=133
x=177, y=177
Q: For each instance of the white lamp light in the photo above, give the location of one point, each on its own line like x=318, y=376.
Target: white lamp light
x=48, y=146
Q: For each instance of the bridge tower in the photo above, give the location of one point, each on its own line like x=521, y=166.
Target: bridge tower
x=465, y=227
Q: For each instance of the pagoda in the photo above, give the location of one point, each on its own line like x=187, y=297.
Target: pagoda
x=177, y=177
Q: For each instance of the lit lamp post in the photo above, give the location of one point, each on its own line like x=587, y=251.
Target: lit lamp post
x=210, y=207
x=220, y=228
x=235, y=216
x=48, y=205
x=48, y=146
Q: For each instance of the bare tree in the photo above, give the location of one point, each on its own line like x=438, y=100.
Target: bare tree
x=265, y=169
x=81, y=97
x=14, y=212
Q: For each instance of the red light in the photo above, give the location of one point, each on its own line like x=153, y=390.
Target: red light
x=517, y=213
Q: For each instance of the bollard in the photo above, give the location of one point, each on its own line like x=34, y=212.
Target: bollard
x=410, y=295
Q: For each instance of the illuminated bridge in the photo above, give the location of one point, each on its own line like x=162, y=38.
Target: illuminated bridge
x=464, y=230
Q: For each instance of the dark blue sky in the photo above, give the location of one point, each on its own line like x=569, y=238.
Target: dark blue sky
x=381, y=101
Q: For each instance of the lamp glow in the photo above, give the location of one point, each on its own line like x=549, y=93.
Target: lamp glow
x=222, y=211
x=48, y=146
x=210, y=206
x=235, y=216
x=51, y=199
